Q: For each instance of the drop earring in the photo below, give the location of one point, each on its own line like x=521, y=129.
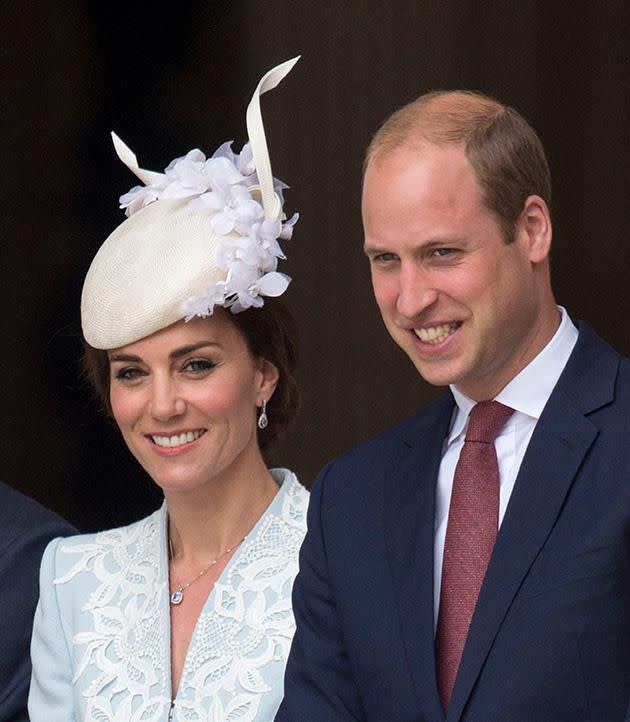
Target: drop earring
x=263, y=419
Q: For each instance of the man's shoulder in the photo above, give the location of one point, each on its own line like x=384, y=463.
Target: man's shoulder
x=381, y=450
x=595, y=366
x=589, y=342
x=22, y=516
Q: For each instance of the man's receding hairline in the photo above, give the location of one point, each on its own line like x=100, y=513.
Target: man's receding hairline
x=417, y=145
x=418, y=123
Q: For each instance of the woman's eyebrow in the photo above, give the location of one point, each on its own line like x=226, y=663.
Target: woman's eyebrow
x=177, y=353
x=185, y=350
x=124, y=358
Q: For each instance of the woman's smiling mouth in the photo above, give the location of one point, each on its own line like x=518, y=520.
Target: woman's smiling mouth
x=175, y=440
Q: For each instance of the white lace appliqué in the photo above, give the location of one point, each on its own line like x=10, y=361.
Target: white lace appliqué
x=240, y=645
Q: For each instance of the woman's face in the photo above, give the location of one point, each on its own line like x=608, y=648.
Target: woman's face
x=185, y=401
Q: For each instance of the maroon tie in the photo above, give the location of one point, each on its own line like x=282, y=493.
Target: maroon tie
x=473, y=520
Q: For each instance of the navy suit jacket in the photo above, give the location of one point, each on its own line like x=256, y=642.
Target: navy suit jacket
x=25, y=530
x=550, y=637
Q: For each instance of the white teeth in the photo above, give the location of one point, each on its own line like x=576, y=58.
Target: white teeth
x=177, y=439
x=436, y=334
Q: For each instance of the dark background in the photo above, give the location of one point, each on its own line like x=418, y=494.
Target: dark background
x=168, y=81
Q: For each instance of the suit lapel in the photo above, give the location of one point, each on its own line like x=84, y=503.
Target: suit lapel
x=538, y=495
x=409, y=518
x=558, y=446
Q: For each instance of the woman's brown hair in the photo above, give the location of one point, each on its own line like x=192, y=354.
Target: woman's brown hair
x=270, y=333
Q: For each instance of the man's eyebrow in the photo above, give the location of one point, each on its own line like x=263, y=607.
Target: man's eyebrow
x=370, y=249
x=177, y=353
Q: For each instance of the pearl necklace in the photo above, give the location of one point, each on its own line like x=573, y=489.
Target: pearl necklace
x=177, y=597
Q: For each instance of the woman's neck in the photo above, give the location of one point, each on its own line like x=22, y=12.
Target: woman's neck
x=204, y=522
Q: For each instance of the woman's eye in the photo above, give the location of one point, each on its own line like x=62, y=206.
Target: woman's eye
x=199, y=366
x=128, y=374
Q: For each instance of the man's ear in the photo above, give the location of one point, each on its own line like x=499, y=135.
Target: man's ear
x=534, y=228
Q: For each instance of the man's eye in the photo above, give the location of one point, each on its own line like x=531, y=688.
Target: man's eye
x=441, y=252
x=384, y=257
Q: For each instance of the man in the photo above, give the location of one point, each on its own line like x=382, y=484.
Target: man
x=25, y=530
x=472, y=563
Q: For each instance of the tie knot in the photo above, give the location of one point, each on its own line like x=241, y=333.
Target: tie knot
x=486, y=420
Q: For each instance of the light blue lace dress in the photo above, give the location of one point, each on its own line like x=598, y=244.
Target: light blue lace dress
x=101, y=638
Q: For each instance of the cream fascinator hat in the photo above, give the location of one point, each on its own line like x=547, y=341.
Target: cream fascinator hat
x=202, y=234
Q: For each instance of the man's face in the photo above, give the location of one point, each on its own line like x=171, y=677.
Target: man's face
x=459, y=301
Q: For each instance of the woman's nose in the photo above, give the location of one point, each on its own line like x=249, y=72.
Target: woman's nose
x=165, y=402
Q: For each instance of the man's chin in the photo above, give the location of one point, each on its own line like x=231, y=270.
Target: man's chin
x=437, y=374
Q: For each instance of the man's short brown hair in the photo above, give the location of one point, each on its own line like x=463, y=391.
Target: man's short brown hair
x=504, y=151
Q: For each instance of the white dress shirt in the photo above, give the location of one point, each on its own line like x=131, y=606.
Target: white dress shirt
x=527, y=393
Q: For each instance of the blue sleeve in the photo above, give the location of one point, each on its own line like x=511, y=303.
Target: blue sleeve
x=318, y=682
x=50, y=698
x=26, y=529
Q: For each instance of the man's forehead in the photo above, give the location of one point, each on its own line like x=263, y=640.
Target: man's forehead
x=417, y=150
x=440, y=174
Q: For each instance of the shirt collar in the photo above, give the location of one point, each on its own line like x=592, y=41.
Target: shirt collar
x=529, y=390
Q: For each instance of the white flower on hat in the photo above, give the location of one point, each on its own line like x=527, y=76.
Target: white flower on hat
x=191, y=176
x=238, y=213
x=203, y=305
x=203, y=233
x=222, y=186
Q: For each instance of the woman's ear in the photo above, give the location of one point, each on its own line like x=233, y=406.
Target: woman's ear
x=267, y=380
x=535, y=229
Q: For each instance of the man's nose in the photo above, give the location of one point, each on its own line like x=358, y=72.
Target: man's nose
x=416, y=292
x=166, y=401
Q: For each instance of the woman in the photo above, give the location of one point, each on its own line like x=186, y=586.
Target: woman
x=186, y=614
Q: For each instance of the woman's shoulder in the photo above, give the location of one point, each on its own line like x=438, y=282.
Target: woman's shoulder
x=292, y=498
x=68, y=557
x=115, y=536
x=288, y=482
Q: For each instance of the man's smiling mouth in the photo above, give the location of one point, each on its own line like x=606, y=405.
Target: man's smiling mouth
x=436, y=334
